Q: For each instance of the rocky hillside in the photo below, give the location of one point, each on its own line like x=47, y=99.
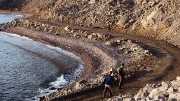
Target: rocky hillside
x=151, y=18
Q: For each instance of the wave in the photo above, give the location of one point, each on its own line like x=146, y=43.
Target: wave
x=73, y=65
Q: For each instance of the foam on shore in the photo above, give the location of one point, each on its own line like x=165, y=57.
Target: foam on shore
x=53, y=53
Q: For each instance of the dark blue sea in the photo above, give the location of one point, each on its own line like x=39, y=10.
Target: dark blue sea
x=28, y=68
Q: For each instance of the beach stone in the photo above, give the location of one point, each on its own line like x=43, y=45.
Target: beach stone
x=145, y=94
x=134, y=47
x=113, y=43
x=178, y=78
x=165, y=85
x=153, y=93
x=170, y=90
x=108, y=43
x=146, y=52
x=51, y=88
x=172, y=99
x=100, y=35
x=157, y=97
x=118, y=42
x=178, y=95
x=129, y=41
x=129, y=99
x=41, y=98
x=138, y=95
x=92, y=1
x=163, y=94
x=77, y=85
x=175, y=84
x=90, y=37
x=149, y=99
x=162, y=88
x=67, y=28
x=172, y=95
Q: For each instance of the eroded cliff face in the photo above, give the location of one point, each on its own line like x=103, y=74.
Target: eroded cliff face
x=151, y=18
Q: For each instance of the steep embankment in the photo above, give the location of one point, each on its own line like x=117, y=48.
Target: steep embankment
x=151, y=18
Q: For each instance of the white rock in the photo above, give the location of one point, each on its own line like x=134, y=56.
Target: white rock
x=178, y=78
x=175, y=84
x=129, y=41
x=108, y=43
x=90, y=37
x=129, y=99
x=77, y=85
x=151, y=15
x=156, y=98
x=172, y=95
x=163, y=93
x=138, y=95
x=170, y=90
x=178, y=95
x=134, y=47
x=118, y=42
x=165, y=85
x=67, y=28
x=162, y=89
x=153, y=93
x=92, y=1
x=146, y=52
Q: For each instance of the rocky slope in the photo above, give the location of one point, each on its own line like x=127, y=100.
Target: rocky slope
x=151, y=18
x=164, y=91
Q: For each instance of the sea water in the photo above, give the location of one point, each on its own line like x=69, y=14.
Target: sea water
x=4, y=18
x=28, y=68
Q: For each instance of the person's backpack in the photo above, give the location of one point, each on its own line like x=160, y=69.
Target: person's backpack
x=121, y=70
x=124, y=70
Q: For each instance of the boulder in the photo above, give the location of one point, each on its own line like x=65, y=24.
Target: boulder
x=92, y=1
x=165, y=85
x=172, y=95
x=153, y=93
x=129, y=99
x=178, y=78
x=67, y=28
x=108, y=43
x=170, y=90
x=175, y=84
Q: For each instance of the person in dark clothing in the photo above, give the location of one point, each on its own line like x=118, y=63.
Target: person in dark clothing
x=108, y=83
x=121, y=72
x=109, y=27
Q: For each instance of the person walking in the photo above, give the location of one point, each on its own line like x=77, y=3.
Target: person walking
x=108, y=83
x=121, y=72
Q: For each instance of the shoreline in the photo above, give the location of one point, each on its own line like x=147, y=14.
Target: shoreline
x=88, y=52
